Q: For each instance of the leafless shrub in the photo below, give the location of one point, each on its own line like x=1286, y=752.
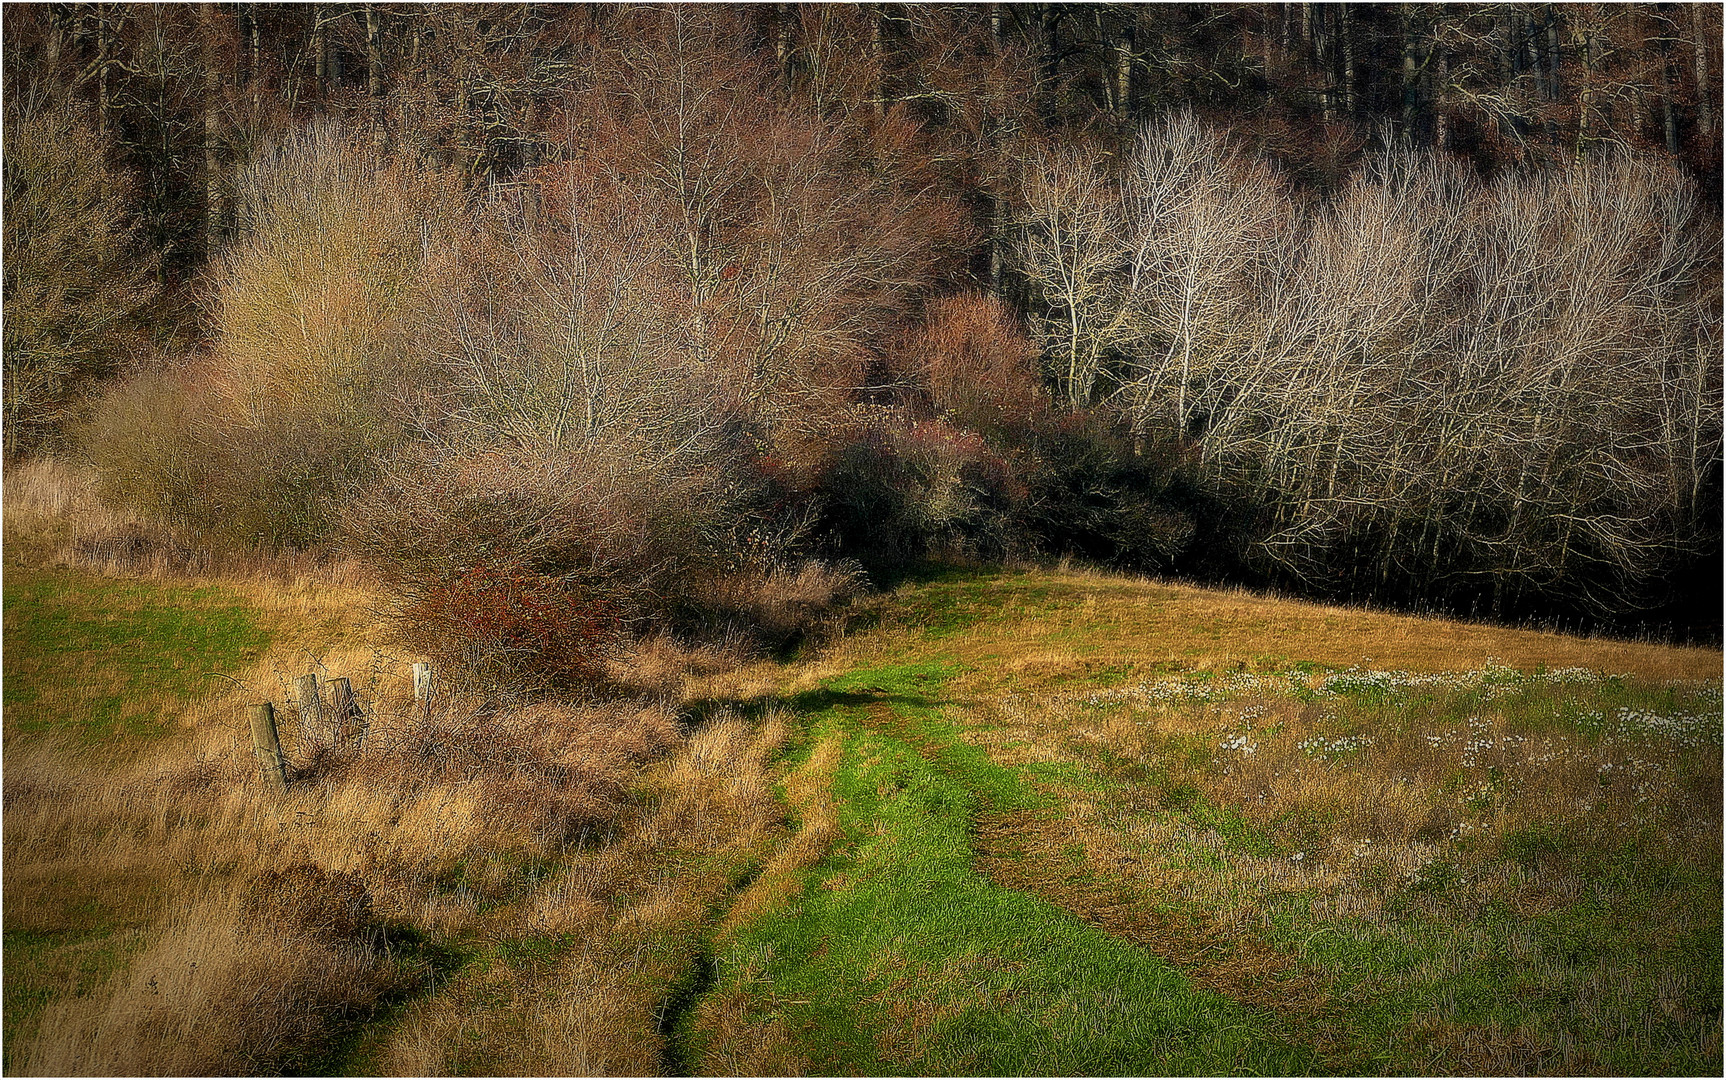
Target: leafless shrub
x=601, y=531
x=973, y=360
x=321, y=311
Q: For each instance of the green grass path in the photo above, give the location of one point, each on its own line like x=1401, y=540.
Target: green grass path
x=901, y=959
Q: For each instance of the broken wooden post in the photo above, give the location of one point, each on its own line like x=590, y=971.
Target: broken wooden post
x=267, y=746
x=422, y=682
x=311, y=709
x=347, y=723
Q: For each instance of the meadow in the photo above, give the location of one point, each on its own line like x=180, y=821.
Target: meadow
x=988, y=822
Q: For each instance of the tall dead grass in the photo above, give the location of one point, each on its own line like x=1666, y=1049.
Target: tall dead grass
x=629, y=915
x=220, y=991
x=56, y=515
x=570, y=852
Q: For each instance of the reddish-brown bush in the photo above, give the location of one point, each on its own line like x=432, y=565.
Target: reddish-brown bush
x=975, y=364
x=504, y=622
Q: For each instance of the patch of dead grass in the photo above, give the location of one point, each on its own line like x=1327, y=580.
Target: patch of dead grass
x=1095, y=621
x=217, y=992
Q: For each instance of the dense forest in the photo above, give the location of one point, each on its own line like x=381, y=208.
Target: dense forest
x=579, y=320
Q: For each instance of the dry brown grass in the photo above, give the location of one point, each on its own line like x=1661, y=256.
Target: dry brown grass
x=630, y=912
x=1367, y=812
x=809, y=790
x=219, y=991
x=477, y=823
x=472, y=825
x=56, y=517
x=1101, y=621
x=782, y=602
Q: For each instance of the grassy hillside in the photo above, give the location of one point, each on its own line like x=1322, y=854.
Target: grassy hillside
x=1037, y=822
x=1470, y=850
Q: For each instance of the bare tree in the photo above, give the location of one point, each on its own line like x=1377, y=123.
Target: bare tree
x=1202, y=219
x=1467, y=390
x=72, y=276
x=1074, y=253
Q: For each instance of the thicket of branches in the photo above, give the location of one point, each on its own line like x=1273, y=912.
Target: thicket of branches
x=1424, y=385
x=583, y=322
x=73, y=281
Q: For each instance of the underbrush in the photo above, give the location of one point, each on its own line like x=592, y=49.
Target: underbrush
x=56, y=516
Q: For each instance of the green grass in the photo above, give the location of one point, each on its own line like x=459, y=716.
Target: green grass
x=98, y=657
x=901, y=959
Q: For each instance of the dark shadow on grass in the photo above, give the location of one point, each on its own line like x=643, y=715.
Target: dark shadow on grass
x=428, y=964
x=809, y=702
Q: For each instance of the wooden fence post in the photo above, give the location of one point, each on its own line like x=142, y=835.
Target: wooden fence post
x=267, y=746
x=422, y=682
x=311, y=709
x=346, y=721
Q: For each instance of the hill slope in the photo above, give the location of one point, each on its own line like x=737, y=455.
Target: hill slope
x=1006, y=823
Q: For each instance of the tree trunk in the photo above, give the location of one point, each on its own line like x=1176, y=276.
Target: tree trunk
x=335, y=66
x=1322, y=52
x=1440, y=94
x=1585, y=104
x=1346, y=32
x=103, y=102
x=1668, y=114
x=1704, y=102
x=320, y=55
x=1124, y=76
x=878, y=53
x=1553, y=52
x=1410, y=73
x=212, y=64
x=1051, y=65
x=257, y=64
x=997, y=241
x=375, y=72
x=782, y=42
x=53, y=47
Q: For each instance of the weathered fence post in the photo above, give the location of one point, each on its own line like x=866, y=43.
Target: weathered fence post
x=346, y=721
x=311, y=709
x=422, y=682
x=267, y=746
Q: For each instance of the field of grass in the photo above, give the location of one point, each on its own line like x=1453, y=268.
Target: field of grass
x=1005, y=823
